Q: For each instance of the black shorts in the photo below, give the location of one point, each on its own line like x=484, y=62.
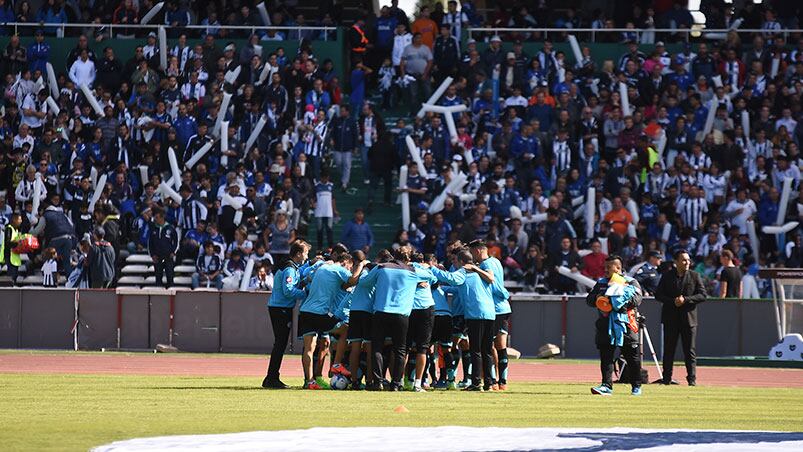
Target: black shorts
x=459, y=327
x=442, y=332
x=419, y=332
x=315, y=324
x=359, y=326
x=502, y=323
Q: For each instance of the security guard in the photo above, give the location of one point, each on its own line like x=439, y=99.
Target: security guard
x=648, y=274
x=8, y=241
x=358, y=40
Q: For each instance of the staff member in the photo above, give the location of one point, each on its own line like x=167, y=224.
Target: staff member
x=649, y=275
x=162, y=246
x=626, y=337
x=680, y=291
x=286, y=292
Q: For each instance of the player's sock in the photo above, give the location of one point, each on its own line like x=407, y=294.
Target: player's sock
x=502, y=353
x=409, y=372
x=432, y=366
x=448, y=366
x=466, y=366
x=417, y=383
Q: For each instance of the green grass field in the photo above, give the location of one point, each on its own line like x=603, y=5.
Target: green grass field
x=77, y=412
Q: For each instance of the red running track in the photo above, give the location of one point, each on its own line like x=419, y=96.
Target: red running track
x=229, y=366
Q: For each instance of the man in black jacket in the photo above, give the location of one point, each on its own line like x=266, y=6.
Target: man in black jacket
x=680, y=290
x=606, y=344
x=344, y=136
x=162, y=246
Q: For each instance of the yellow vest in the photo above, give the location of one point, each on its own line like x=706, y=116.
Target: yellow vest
x=14, y=257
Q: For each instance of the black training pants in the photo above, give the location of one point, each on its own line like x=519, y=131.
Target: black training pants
x=393, y=326
x=630, y=352
x=688, y=339
x=164, y=265
x=480, y=341
x=280, y=320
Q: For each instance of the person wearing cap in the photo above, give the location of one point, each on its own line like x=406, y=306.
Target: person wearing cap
x=647, y=274
x=494, y=55
x=38, y=53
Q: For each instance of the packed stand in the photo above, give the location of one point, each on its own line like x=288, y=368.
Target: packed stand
x=531, y=146
x=231, y=207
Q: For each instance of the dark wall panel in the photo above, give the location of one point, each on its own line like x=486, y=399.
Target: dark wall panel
x=159, y=320
x=197, y=321
x=245, y=326
x=10, y=318
x=135, y=321
x=98, y=319
x=47, y=316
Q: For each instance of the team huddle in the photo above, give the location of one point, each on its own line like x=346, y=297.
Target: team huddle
x=391, y=322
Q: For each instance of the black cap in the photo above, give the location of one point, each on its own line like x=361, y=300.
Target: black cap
x=655, y=254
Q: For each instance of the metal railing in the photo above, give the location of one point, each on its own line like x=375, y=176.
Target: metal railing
x=61, y=28
x=696, y=32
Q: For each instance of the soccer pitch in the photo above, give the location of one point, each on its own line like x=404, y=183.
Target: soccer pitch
x=78, y=412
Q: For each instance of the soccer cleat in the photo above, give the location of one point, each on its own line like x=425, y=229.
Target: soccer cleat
x=426, y=386
x=374, y=387
x=418, y=389
x=601, y=390
x=692, y=382
x=473, y=388
x=503, y=386
x=463, y=384
x=312, y=385
x=393, y=387
x=495, y=387
x=322, y=383
x=440, y=385
x=636, y=391
x=340, y=369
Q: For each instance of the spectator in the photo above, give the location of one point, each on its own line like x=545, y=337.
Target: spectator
x=11, y=237
x=101, y=261
x=162, y=247
x=594, y=263
x=357, y=234
x=416, y=62
x=263, y=281
x=82, y=71
x=208, y=268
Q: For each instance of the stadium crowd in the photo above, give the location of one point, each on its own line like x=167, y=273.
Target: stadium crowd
x=538, y=132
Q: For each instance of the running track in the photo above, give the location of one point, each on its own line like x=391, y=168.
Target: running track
x=228, y=366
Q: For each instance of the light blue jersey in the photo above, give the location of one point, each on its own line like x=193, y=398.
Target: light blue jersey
x=325, y=289
x=362, y=299
x=423, y=295
x=395, y=287
x=500, y=294
x=441, y=302
x=307, y=270
x=457, y=303
x=285, y=287
x=477, y=295
x=342, y=307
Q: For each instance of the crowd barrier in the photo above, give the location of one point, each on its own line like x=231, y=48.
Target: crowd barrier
x=211, y=321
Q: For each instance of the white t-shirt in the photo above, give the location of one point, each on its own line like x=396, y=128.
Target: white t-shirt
x=740, y=220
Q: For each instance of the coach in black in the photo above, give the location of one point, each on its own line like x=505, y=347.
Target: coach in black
x=680, y=290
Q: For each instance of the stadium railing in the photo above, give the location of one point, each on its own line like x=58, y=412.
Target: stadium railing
x=591, y=34
x=61, y=29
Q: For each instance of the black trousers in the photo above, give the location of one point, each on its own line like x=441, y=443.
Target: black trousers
x=164, y=265
x=630, y=352
x=480, y=341
x=688, y=339
x=376, y=177
x=394, y=326
x=280, y=320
